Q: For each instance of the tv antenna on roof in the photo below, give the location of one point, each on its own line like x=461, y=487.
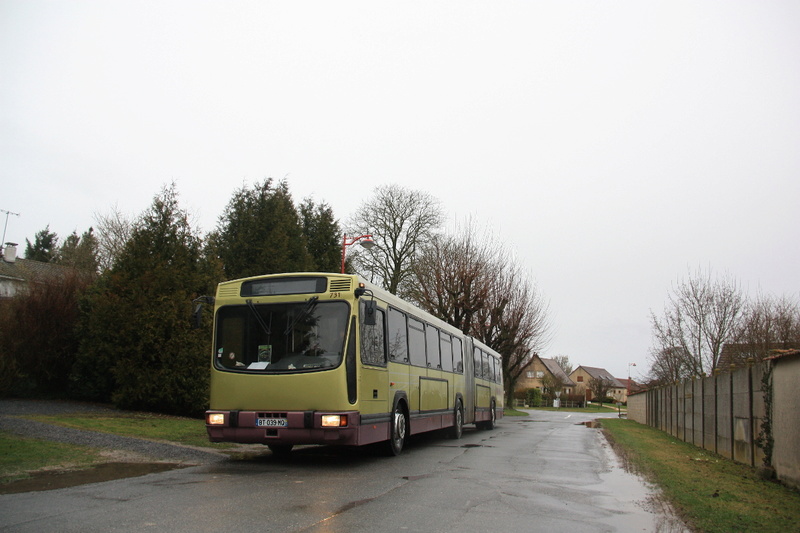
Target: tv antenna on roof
x=6, y=225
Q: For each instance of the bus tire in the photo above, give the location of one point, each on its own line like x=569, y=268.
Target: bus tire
x=398, y=432
x=458, y=421
x=280, y=450
x=492, y=422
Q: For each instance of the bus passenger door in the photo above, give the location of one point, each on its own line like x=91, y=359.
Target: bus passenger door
x=399, y=369
x=373, y=382
x=434, y=388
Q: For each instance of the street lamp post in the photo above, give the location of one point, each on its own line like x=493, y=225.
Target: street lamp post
x=629, y=377
x=366, y=242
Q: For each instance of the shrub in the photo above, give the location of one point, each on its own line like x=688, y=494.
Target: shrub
x=37, y=335
x=533, y=397
x=576, y=399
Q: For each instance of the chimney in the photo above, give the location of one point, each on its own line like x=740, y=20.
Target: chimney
x=10, y=252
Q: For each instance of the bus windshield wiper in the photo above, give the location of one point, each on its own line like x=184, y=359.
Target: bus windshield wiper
x=258, y=316
x=310, y=304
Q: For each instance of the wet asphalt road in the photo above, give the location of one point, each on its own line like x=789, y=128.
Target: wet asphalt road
x=548, y=472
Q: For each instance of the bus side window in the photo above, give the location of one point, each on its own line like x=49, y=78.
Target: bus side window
x=432, y=345
x=458, y=355
x=398, y=336
x=446, y=345
x=416, y=342
x=487, y=371
x=373, y=351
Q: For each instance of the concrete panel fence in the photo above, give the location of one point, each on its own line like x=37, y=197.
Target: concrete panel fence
x=728, y=412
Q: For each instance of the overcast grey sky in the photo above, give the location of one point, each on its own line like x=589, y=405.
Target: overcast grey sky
x=612, y=146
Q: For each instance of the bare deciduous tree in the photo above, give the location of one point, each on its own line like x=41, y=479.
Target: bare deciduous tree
x=113, y=230
x=701, y=314
x=551, y=385
x=454, y=276
x=474, y=285
x=514, y=322
x=600, y=387
x=563, y=362
x=668, y=365
x=400, y=221
x=768, y=324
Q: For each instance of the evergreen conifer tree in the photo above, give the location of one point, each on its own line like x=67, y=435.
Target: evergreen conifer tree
x=260, y=233
x=138, y=348
x=80, y=253
x=44, y=247
x=323, y=235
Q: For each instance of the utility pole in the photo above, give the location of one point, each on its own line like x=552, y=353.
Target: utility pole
x=2, y=243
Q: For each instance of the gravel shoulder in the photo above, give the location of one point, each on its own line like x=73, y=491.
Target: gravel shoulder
x=117, y=447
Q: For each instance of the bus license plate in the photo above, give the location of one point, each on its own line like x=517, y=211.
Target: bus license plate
x=272, y=422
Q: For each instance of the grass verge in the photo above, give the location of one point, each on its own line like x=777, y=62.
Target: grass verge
x=711, y=493
x=592, y=408
x=19, y=456
x=186, y=431
x=508, y=411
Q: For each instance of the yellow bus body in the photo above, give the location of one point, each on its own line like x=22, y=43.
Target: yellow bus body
x=359, y=398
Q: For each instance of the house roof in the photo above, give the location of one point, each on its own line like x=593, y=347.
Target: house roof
x=601, y=373
x=557, y=371
x=630, y=385
x=26, y=270
x=780, y=354
x=737, y=354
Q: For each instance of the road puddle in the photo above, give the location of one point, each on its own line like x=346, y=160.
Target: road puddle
x=59, y=479
x=632, y=494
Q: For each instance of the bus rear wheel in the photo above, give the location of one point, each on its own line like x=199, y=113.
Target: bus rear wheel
x=458, y=422
x=492, y=422
x=397, y=436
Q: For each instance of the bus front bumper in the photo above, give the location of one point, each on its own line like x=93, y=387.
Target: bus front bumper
x=292, y=427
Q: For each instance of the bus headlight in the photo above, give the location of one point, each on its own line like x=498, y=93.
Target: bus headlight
x=215, y=419
x=334, y=421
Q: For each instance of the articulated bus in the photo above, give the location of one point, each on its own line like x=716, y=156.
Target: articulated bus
x=314, y=358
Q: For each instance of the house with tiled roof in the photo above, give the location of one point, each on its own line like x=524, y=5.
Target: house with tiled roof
x=16, y=274
x=583, y=376
x=537, y=369
x=631, y=386
x=735, y=354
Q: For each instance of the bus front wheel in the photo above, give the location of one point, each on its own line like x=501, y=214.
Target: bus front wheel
x=397, y=437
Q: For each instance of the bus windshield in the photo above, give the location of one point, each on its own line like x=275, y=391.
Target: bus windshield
x=286, y=337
